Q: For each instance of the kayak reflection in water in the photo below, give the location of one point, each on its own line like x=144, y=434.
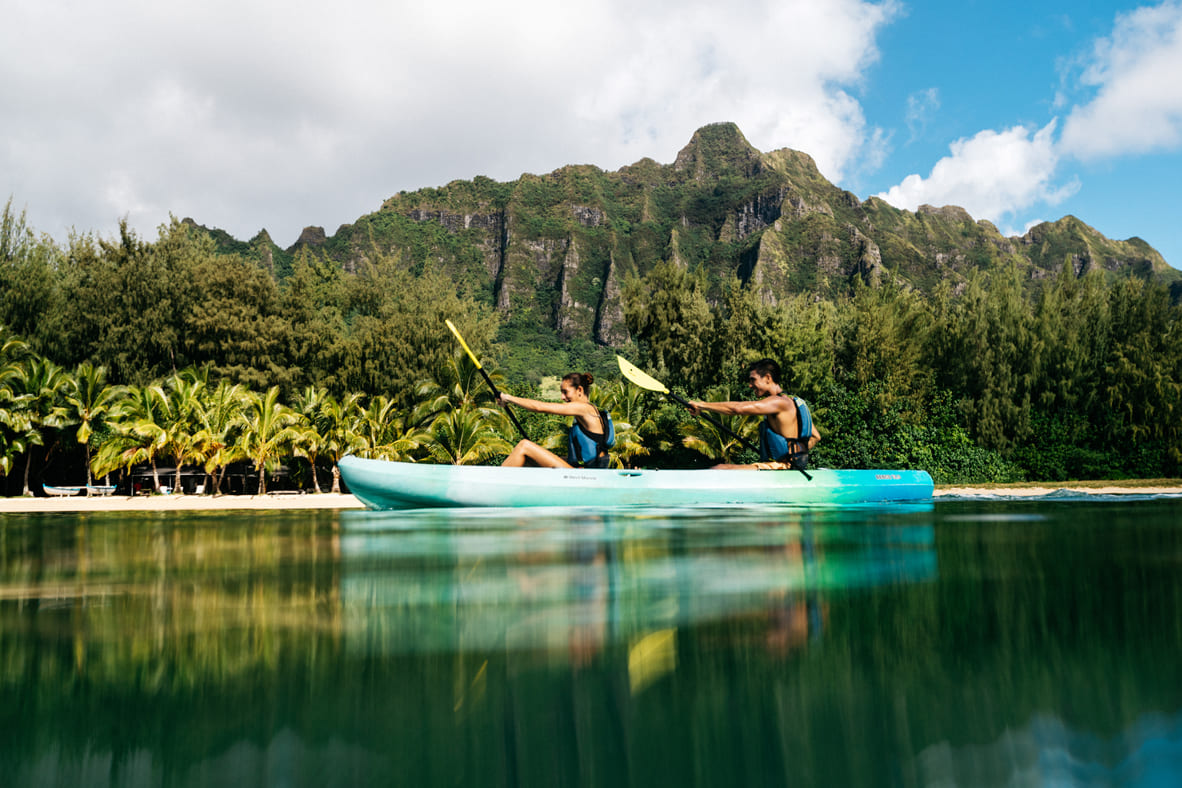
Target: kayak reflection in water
x=588, y=439
x=787, y=433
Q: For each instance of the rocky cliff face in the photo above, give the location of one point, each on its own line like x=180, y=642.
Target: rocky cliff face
x=556, y=249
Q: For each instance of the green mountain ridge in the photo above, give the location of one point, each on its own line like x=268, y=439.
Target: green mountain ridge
x=553, y=251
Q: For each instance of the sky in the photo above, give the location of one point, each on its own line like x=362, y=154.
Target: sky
x=259, y=114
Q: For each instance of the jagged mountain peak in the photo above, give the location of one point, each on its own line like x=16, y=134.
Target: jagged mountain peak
x=262, y=237
x=716, y=151
x=312, y=236
x=953, y=213
x=555, y=250
x=1071, y=241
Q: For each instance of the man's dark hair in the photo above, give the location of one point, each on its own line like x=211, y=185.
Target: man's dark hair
x=766, y=366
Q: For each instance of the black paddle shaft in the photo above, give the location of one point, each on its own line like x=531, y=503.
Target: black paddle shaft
x=497, y=395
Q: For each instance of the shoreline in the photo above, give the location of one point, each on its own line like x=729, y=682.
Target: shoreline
x=1097, y=487
x=1031, y=492
x=185, y=503
x=297, y=501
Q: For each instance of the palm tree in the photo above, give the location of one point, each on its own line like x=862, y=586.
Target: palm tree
x=182, y=419
x=139, y=418
x=465, y=424
x=14, y=422
x=387, y=435
x=268, y=428
x=456, y=384
x=38, y=386
x=16, y=426
x=704, y=437
x=215, y=443
x=462, y=436
x=342, y=432
x=90, y=400
x=313, y=427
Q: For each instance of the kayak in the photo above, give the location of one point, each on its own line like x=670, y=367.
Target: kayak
x=66, y=492
x=382, y=484
x=61, y=492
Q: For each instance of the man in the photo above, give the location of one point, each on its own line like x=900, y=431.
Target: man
x=787, y=433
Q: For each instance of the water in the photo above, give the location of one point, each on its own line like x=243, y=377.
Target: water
x=967, y=642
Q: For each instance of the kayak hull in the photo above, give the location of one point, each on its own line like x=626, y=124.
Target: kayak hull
x=380, y=484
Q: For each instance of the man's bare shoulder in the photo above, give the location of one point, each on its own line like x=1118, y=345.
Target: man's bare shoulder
x=781, y=401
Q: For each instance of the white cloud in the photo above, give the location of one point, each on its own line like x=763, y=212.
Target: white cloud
x=1137, y=107
x=991, y=175
x=921, y=105
x=258, y=113
x=781, y=70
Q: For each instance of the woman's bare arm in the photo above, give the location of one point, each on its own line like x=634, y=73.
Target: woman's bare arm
x=556, y=408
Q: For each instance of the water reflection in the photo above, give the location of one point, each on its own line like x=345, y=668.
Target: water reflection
x=569, y=583
x=1047, y=751
x=970, y=643
x=218, y=595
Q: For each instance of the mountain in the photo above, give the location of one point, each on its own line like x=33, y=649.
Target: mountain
x=554, y=250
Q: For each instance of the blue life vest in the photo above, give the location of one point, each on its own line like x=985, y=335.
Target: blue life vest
x=775, y=447
x=589, y=449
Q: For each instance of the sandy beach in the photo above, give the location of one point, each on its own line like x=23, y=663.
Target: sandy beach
x=164, y=503
x=1169, y=487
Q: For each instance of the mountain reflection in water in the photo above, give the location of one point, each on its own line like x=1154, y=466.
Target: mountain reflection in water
x=960, y=643
x=1046, y=751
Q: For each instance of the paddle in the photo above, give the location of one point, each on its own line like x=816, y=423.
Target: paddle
x=487, y=379
x=646, y=381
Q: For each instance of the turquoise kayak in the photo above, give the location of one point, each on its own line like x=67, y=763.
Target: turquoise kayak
x=380, y=484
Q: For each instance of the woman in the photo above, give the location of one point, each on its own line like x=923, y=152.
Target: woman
x=588, y=439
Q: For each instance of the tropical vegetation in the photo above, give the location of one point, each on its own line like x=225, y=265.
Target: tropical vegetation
x=191, y=352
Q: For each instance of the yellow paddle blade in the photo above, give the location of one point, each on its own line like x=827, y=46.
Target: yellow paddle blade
x=464, y=344
x=652, y=657
x=632, y=373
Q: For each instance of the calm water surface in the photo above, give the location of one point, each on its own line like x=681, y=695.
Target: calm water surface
x=969, y=643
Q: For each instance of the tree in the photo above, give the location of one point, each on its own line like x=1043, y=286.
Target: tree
x=215, y=443
x=1073, y=326
x=90, y=401
x=463, y=436
x=121, y=304
x=1141, y=389
x=14, y=419
x=182, y=420
x=233, y=319
x=28, y=277
x=139, y=420
x=800, y=332
x=387, y=434
x=398, y=337
x=705, y=437
x=313, y=302
x=455, y=383
x=988, y=354
x=312, y=427
x=882, y=331
x=38, y=386
x=668, y=315
x=342, y=425
x=269, y=427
